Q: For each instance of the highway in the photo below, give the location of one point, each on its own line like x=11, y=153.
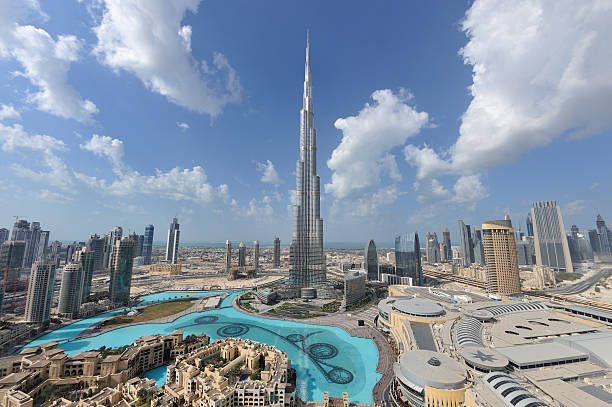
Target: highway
x=580, y=286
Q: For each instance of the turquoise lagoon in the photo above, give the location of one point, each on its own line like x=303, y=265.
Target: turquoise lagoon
x=325, y=358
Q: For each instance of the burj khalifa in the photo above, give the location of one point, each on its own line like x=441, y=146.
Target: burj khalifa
x=307, y=261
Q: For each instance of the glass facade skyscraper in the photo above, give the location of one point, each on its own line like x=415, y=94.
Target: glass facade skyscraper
x=121, y=272
x=408, y=257
x=467, y=246
x=371, y=261
x=550, y=240
x=307, y=261
x=172, y=244
x=147, y=244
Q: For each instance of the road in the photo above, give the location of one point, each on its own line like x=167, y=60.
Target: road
x=580, y=286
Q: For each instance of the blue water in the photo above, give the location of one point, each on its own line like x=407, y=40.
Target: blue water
x=159, y=374
x=325, y=358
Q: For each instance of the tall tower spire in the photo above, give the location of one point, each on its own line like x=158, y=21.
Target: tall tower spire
x=306, y=252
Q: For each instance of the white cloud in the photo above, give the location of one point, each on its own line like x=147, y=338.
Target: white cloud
x=146, y=38
x=104, y=146
x=46, y=62
x=269, y=176
x=9, y=112
x=574, y=207
x=365, y=153
x=182, y=125
x=541, y=71
x=16, y=139
x=262, y=211
x=53, y=196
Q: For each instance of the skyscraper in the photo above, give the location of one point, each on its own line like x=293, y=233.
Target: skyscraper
x=40, y=292
x=114, y=236
x=228, y=257
x=550, y=240
x=30, y=234
x=447, y=244
x=4, y=235
x=500, y=257
x=71, y=291
x=138, y=243
x=605, y=235
x=529, y=225
x=466, y=244
x=11, y=259
x=479, y=256
x=307, y=261
x=147, y=244
x=594, y=239
x=276, y=253
x=241, y=255
x=256, y=254
x=43, y=244
x=86, y=258
x=408, y=257
x=432, y=248
x=96, y=244
x=172, y=244
x=371, y=261
x=121, y=272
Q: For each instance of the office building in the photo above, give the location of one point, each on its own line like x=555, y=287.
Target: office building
x=432, y=248
x=276, y=253
x=446, y=239
x=111, y=240
x=11, y=259
x=241, y=255
x=71, y=291
x=408, y=257
x=121, y=272
x=371, y=261
x=172, y=244
x=500, y=257
x=529, y=225
x=147, y=243
x=466, y=244
x=30, y=234
x=525, y=252
x=605, y=235
x=43, y=244
x=138, y=244
x=40, y=293
x=479, y=256
x=96, y=244
x=4, y=235
x=307, y=260
x=256, y=254
x=550, y=240
x=594, y=240
x=228, y=261
x=86, y=258
x=354, y=288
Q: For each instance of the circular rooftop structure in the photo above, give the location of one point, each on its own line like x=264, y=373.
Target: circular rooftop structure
x=427, y=368
x=483, y=359
x=418, y=307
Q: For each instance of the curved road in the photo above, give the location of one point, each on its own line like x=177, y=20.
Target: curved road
x=580, y=286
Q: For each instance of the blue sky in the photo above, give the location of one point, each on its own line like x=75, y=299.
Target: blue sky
x=130, y=112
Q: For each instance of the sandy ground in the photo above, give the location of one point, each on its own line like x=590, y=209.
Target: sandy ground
x=202, y=282
x=605, y=290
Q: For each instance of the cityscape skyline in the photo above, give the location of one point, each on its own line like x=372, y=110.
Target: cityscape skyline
x=258, y=186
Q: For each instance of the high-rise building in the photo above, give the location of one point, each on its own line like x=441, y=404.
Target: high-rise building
x=138, y=243
x=276, y=253
x=30, y=234
x=96, y=244
x=40, y=292
x=55, y=251
x=71, y=291
x=4, y=235
x=447, y=244
x=371, y=261
x=550, y=240
x=147, y=244
x=605, y=235
x=307, y=260
x=432, y=248
x=111, y=240
x=86, y=258
x=529, y=225
x=11, y=259
x=172, y=244
x=408, y=257
x=256, y=254
x=121, y=272
x=479, y=256
x=228, y=256
x=594, y=239
x=43, y=244
x=466, y=244
x=241, y=255
x=500, y=257
x=525, y=253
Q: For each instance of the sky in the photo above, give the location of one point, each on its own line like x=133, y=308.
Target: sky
x=130, y=112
